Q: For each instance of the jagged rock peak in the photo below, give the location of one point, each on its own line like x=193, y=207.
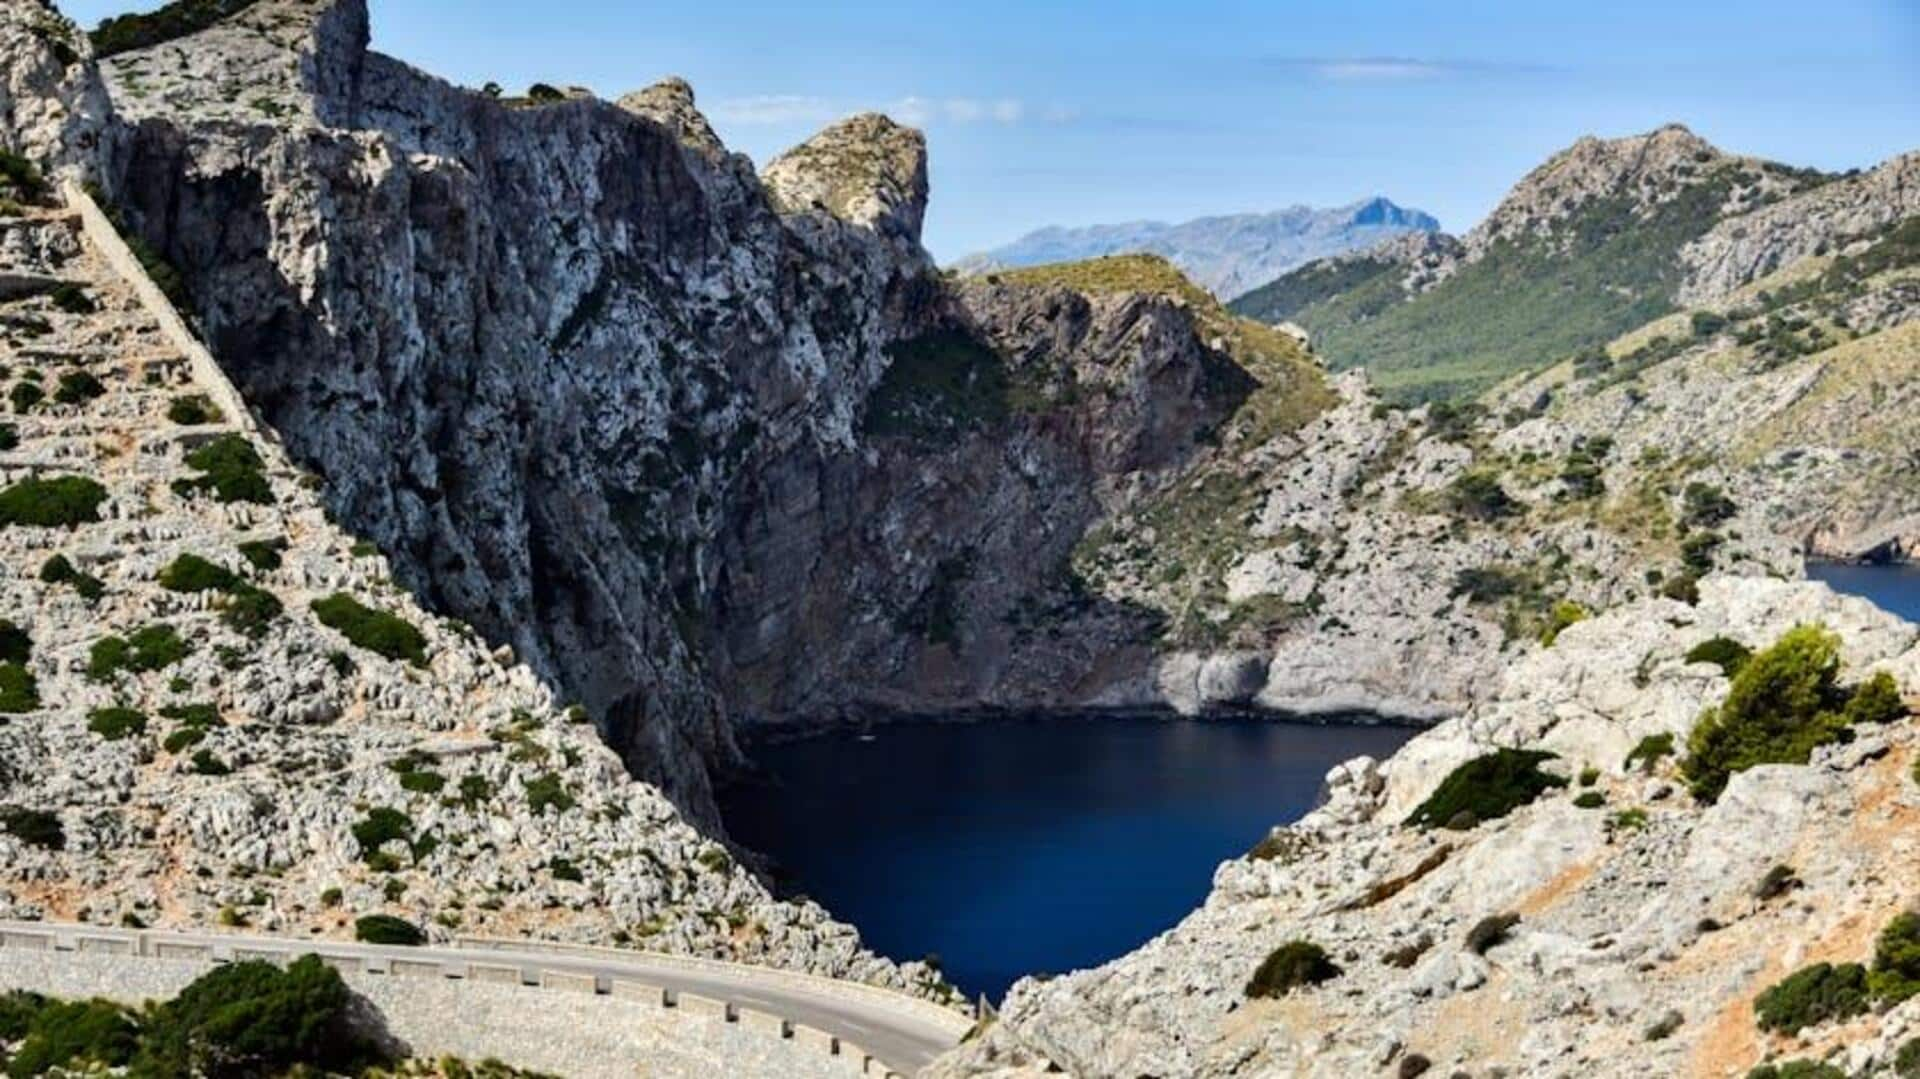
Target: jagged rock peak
x=1647, y=168
x=669, y=103
x=865, y=169
x=53, y=109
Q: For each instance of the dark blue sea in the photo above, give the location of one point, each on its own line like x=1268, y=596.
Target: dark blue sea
x=1024, y=846
x=1894, y=588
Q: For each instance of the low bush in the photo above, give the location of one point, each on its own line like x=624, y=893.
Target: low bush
x=1784, y=702
x=250, y=610
x=24, y=395
x=1294, y=965
x=1906, y=1062
x=1877, y=700
x=376, y=631
x=547, y=790
x=1813, y=995
x=72, y=299
x=191, y=573
x=1684, y=588
x=58, y=502
x=141, y=30
x=421, y=782
x=19, y=690
x=1896, y=960
x=115, y=724
x=1723, y=652
x=231, y=471
x=1776, y=882
x=1490, y=931
x=204, y=763
x=386, y=929
x=1487, y=788
x=15, y=645
x=1706, y=506
x=20, y=178
x=78, y=387
x=1479, y=496
x=151, y=648
x=381, y=825
x=58, y=570
x=34, y=827
x=1590, y=800
x=194, y=410
x=263, y=554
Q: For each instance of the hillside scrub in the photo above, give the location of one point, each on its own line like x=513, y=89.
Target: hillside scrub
x=376, y=631
x=1294, y=965
x=59, y=502
x=231, y=472
x=142, y=30
x=1784, y=702
x=1486, y=788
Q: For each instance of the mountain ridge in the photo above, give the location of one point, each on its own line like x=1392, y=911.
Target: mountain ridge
x=1223, y=253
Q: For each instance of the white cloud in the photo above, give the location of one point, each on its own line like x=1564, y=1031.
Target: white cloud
x=1379, y=67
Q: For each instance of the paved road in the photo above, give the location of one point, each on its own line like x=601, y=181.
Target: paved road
x=904, y=1033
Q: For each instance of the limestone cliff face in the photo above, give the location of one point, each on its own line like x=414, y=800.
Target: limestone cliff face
x=53, y=109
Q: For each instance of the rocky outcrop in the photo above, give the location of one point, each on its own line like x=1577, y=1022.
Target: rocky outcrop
x=1643, y=913
x=1829, y=219
x=670, y=104
x=193, y=739
x=53, y=109
x=865, y=170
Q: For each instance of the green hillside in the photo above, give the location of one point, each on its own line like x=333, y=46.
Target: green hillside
x=1526, y=303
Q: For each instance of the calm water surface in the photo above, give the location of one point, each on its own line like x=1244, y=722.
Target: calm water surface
x=1894, y=588
x=1014, y=847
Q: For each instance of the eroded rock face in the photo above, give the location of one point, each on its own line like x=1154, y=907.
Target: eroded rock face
x=866, y=170
x=1826, y=220
x=1624, y=922
x=53, y=108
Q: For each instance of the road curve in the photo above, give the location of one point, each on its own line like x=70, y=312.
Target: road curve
x=902, y=1032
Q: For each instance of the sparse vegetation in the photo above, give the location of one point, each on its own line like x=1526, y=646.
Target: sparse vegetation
x=1297, y=964
x=151, y=648
x=142, y=30
x=34, y=827
x=1489, y=932
x=194, y=410
x=115, y=724
x=1486, y=788
x=547, y=790
x=230, y=470
x=378, y=632
x=58, y=570
x=1565, y=613
x=19, y=689
x=1813, y=995
x=387, y=929
x=1723, y=652
x=57, y=502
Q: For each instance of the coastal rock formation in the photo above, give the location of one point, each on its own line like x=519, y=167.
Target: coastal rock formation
x=1643, y=924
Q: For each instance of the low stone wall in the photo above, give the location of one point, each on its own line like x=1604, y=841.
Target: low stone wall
x=564, y=1025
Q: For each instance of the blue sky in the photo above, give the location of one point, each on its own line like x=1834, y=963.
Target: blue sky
x=1050, y=113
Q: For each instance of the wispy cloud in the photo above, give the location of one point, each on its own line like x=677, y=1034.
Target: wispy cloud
x=1395, y=68
x=772, y=110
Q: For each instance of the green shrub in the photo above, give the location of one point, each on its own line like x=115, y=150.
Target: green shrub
x=191, y=573
x=9, y=437
x=204, y=763
x=547, y=790
x=1706, y=506
x=1783, y=703
x=1489, y=932
x=1697, y=552
x=59, y=502
x=379, y=827
x=17, y=1010
x=1649, y=751
x=183, y=739
x=263, y=554
x=150, y=648
x=386, y=929
x=1877, y=700
x=34, y=827
x=474, y=790
x=1723, y=652
x=19, y=690
x=1590, y=800
x=1293, y=965
x=1628, y=820
x=1487, y=788
x=1777, y=881
x=77, y=387
x=24, y=395
x=1896, y=960
x=1487, y=584
x=192, y=715
x=1811, y=996
x=563, y=869
x=15, y=645
x=423, y=782
x=376, y=631
x=256, y=1019
x=20, y=178
x=58, y=570
x=231, y=471
x=194, y=410
x=114, y=724
x=542, y=94
x=77, y=1037
x=1565, y=613
x=1479, y=496
x=73, y=299
x=1906, y=1062
x=250, y=610
x=1684, y=588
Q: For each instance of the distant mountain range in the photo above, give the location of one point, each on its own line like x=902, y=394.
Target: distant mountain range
x=1227, y=255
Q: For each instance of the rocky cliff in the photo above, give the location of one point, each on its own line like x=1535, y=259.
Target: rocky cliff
x=1613, y=925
